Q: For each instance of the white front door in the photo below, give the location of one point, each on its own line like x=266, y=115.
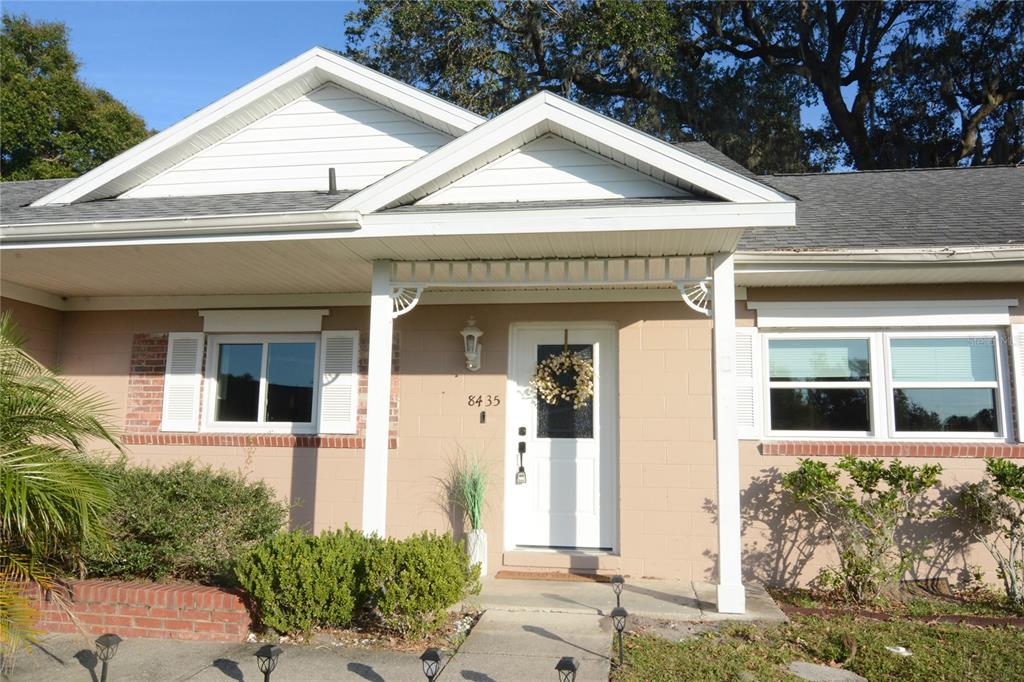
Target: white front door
x=568, y=499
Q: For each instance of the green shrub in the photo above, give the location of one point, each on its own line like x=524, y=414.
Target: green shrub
x=862, y=517
x=183, y=522
x=299, y=581
x=413, y=581
x=994, y=512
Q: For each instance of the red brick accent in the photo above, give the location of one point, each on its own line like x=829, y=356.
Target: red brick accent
x=145, y=406
x=803, y=448
x=150, y=610
x=266, y=440
x=146, y=383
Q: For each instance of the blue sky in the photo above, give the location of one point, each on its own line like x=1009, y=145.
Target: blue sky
x=165, y=60
x=168, y=59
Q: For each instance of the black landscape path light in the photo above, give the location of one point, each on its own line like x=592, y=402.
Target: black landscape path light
x=618, y=582
x=266, y=658
x=619, y=616
x=431, y=660
x=106, y=647
x=566, y=668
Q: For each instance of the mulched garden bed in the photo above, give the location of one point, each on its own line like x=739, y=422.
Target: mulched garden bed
x=449, y=637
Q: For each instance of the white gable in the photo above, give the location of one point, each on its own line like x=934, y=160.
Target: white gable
x=293, y=148
x=251, y=105
x=551, y=167
x=481, y=165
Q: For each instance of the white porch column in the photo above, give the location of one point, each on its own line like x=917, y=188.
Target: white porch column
x=378, y=402
x=731, y=597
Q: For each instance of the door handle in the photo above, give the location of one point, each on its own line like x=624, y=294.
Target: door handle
x=521, y=474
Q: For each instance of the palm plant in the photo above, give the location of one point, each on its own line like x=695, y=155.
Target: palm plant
x=53, y=494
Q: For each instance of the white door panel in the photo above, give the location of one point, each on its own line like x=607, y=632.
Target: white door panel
x=568, y=499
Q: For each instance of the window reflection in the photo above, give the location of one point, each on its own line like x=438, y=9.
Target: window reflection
x=238, y=382
x=561, y=420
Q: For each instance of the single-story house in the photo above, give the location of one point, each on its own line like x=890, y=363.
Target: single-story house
x=335, y=281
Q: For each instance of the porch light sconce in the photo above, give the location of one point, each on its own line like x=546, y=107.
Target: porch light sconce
x=471, y=343
x=106, y=647
x=266, y=658
x=566, y=668
x=431, y=660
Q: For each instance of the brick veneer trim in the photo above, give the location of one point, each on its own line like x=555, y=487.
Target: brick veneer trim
x=250, y=440
x=149, y=610
x=803, y=448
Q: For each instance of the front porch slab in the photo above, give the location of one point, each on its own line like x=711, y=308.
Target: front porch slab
x=662, y=599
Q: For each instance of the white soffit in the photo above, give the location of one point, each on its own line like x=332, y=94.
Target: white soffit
x=548, y=168
x=292, y=149
x=546, y=113
x=262, y=320
x=247, y=105
x=839, y=314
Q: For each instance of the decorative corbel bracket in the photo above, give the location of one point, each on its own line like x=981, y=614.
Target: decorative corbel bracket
x=697, y=295
x=404, y=299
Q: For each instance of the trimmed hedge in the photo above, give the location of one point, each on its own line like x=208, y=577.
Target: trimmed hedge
x=183, y=522
x=300, y=581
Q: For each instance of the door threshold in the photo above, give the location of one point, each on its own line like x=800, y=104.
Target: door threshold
x=589, y=561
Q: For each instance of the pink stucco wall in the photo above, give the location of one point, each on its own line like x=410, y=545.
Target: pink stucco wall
x=666, y=459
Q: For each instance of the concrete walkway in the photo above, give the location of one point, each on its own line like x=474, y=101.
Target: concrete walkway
x=526, y=627
x=70, y=658
x=663, y=599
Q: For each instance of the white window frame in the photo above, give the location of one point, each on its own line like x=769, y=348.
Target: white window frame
x=210, y=424
x=881, y=385
x=872, y=385
x=1001, y=385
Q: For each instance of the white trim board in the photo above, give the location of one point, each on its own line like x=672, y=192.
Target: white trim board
x=262, y=320
x=495, y=296
x=689, y=216
x=949, y=313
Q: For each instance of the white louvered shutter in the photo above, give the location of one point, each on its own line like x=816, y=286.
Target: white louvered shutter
x=339, y=385
x=1017, y=341
x=182, y=379
x=748, y=395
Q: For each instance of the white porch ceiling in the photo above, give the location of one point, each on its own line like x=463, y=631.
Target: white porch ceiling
x=312, y=265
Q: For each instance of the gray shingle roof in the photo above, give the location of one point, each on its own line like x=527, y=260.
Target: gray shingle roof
x=925, y=208
x=15, y=197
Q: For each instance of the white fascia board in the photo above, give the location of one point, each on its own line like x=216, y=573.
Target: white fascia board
x=946, y=254
x=845, y=314
x=350, y=225
x=538, y=113
x=689, y=216
x=331, y=66
x=193, y=228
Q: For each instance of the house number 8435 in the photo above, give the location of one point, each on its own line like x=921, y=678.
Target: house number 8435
x=483, y=400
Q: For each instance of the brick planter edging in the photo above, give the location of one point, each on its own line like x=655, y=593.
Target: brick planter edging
x=153, y=610
x=805, y=448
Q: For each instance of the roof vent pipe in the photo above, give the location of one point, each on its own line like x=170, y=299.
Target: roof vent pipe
x=332, y=182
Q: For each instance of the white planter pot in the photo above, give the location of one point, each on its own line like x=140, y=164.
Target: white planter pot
x=476, y=547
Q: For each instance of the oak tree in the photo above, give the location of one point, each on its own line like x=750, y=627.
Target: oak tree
x=53, y=125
